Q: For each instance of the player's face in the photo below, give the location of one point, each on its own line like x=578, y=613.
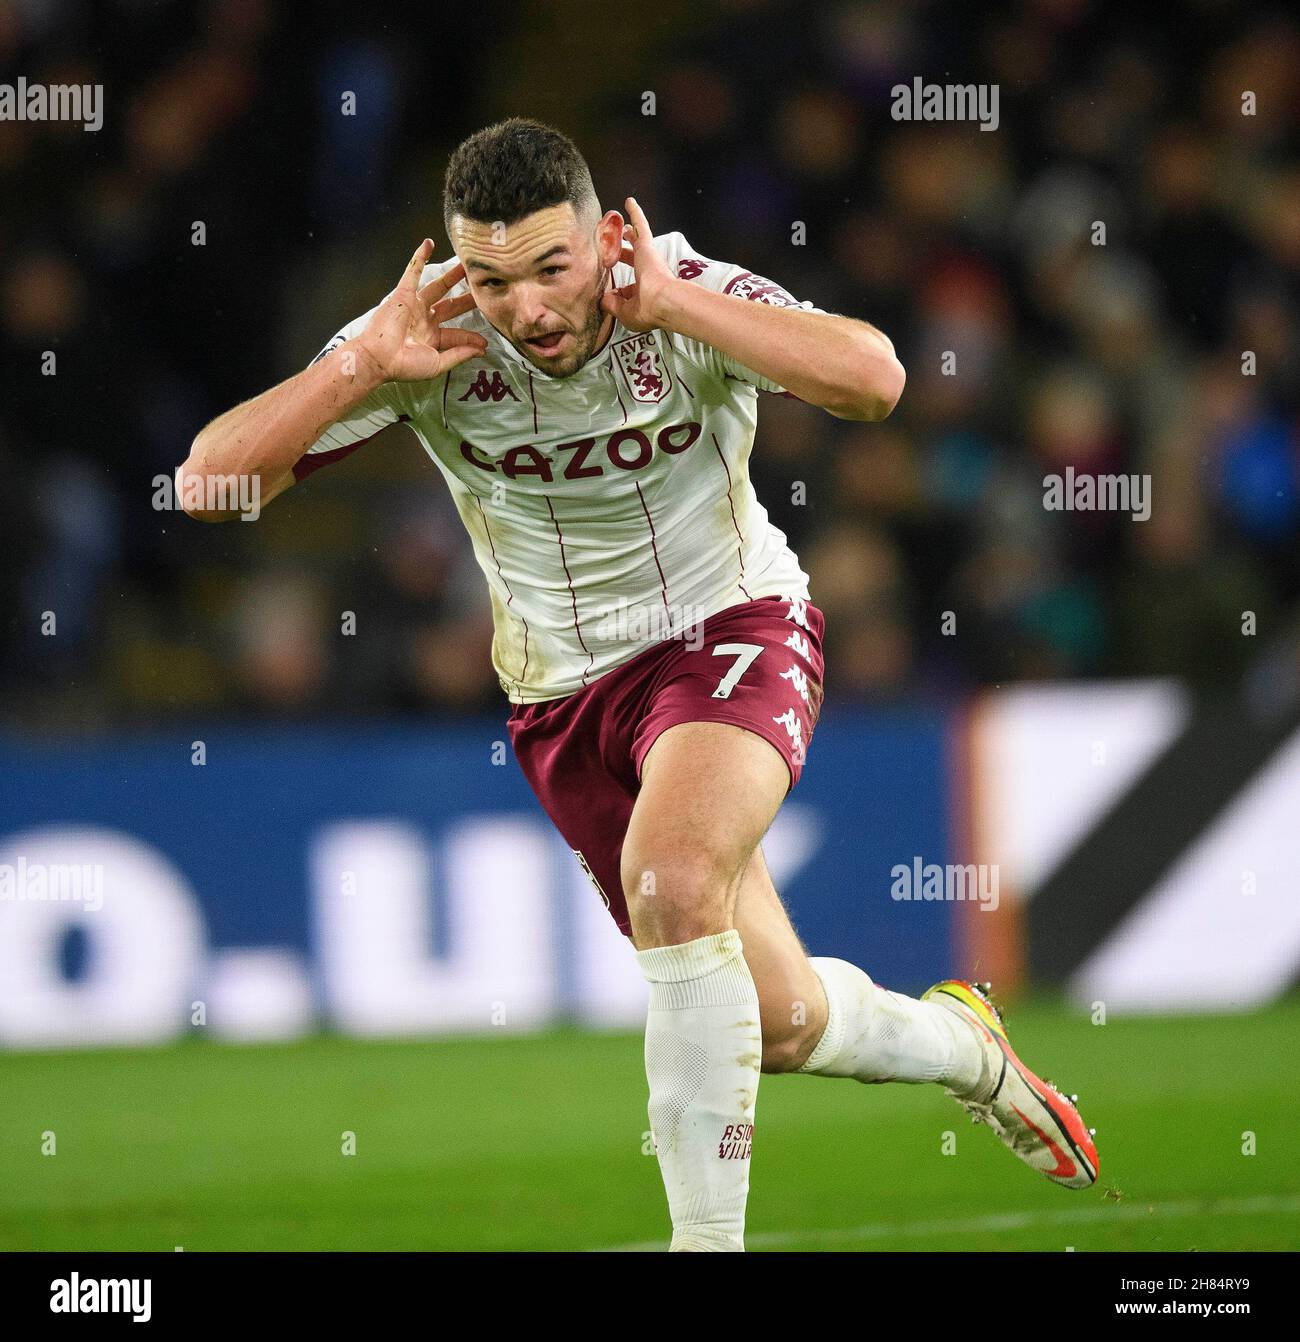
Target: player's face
x=539, y=281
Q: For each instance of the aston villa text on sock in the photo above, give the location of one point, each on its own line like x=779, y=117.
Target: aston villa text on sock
x=736, y=1141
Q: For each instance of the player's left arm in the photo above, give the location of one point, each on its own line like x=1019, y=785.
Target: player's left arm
x=846, y=366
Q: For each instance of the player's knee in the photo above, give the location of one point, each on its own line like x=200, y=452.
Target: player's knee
x=787, y=1050
x=792, y=1024
x=677, y=897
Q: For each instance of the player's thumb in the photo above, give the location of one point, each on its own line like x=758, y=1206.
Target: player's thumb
x=614, y=301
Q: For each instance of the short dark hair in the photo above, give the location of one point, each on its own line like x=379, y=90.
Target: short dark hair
x=512, y=169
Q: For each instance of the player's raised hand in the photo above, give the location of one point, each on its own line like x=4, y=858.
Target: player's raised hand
x=406, y=338
x=639, y=305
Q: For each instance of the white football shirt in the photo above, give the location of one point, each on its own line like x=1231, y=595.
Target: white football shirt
x=609, y=509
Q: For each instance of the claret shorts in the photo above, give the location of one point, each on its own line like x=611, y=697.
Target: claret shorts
x=757, y=665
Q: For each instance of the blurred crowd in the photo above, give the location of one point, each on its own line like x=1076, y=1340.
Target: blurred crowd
x=1033, y=343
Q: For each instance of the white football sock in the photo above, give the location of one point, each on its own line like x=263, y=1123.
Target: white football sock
x=873, y=1034
x=703, y=1052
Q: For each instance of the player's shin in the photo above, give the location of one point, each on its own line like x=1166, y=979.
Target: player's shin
x=703, y=1051
x=873, y=1034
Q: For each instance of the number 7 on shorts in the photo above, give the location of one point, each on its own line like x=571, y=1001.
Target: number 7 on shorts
x=744, y=653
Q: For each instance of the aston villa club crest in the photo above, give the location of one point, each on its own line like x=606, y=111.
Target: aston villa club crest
x=643, y=368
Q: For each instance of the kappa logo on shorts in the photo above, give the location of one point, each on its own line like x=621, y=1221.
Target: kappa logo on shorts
x=790, y=721
x=799, y=644
x=798, y=612
x=798, y=680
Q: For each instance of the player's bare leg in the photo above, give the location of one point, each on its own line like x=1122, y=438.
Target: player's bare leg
x=733, y=991
x=791, y=999
x=858, y=1029
x=708, y=793
x=827, y=1017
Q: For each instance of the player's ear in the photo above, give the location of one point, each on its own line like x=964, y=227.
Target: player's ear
x=609, y=239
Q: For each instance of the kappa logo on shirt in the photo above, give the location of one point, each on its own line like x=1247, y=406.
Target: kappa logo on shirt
x=644, y=371
x=758, y=290
x=495, y=390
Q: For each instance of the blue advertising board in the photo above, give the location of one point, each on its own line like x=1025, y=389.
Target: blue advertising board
x=393, y=879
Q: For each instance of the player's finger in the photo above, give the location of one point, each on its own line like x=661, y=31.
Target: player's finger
x=613, y=300
x=458, y=355
x=447, y=337
x=628, y=253
x=417, y=263
x=451, y=307
x=639, y=221
x=435, y=289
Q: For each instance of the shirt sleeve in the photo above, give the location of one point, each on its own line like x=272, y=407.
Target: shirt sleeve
x=379, y=409
x=725, y=277
x=389, y=403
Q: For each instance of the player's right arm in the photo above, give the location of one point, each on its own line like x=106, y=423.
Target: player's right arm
x=264, y=439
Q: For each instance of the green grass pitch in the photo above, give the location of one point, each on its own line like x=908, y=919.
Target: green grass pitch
x=537, y=1143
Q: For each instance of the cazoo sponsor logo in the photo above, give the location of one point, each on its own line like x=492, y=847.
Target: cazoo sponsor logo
x=626, y=450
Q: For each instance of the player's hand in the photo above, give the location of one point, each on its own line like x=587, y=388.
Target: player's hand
x=641, y=305
x=405, y=339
